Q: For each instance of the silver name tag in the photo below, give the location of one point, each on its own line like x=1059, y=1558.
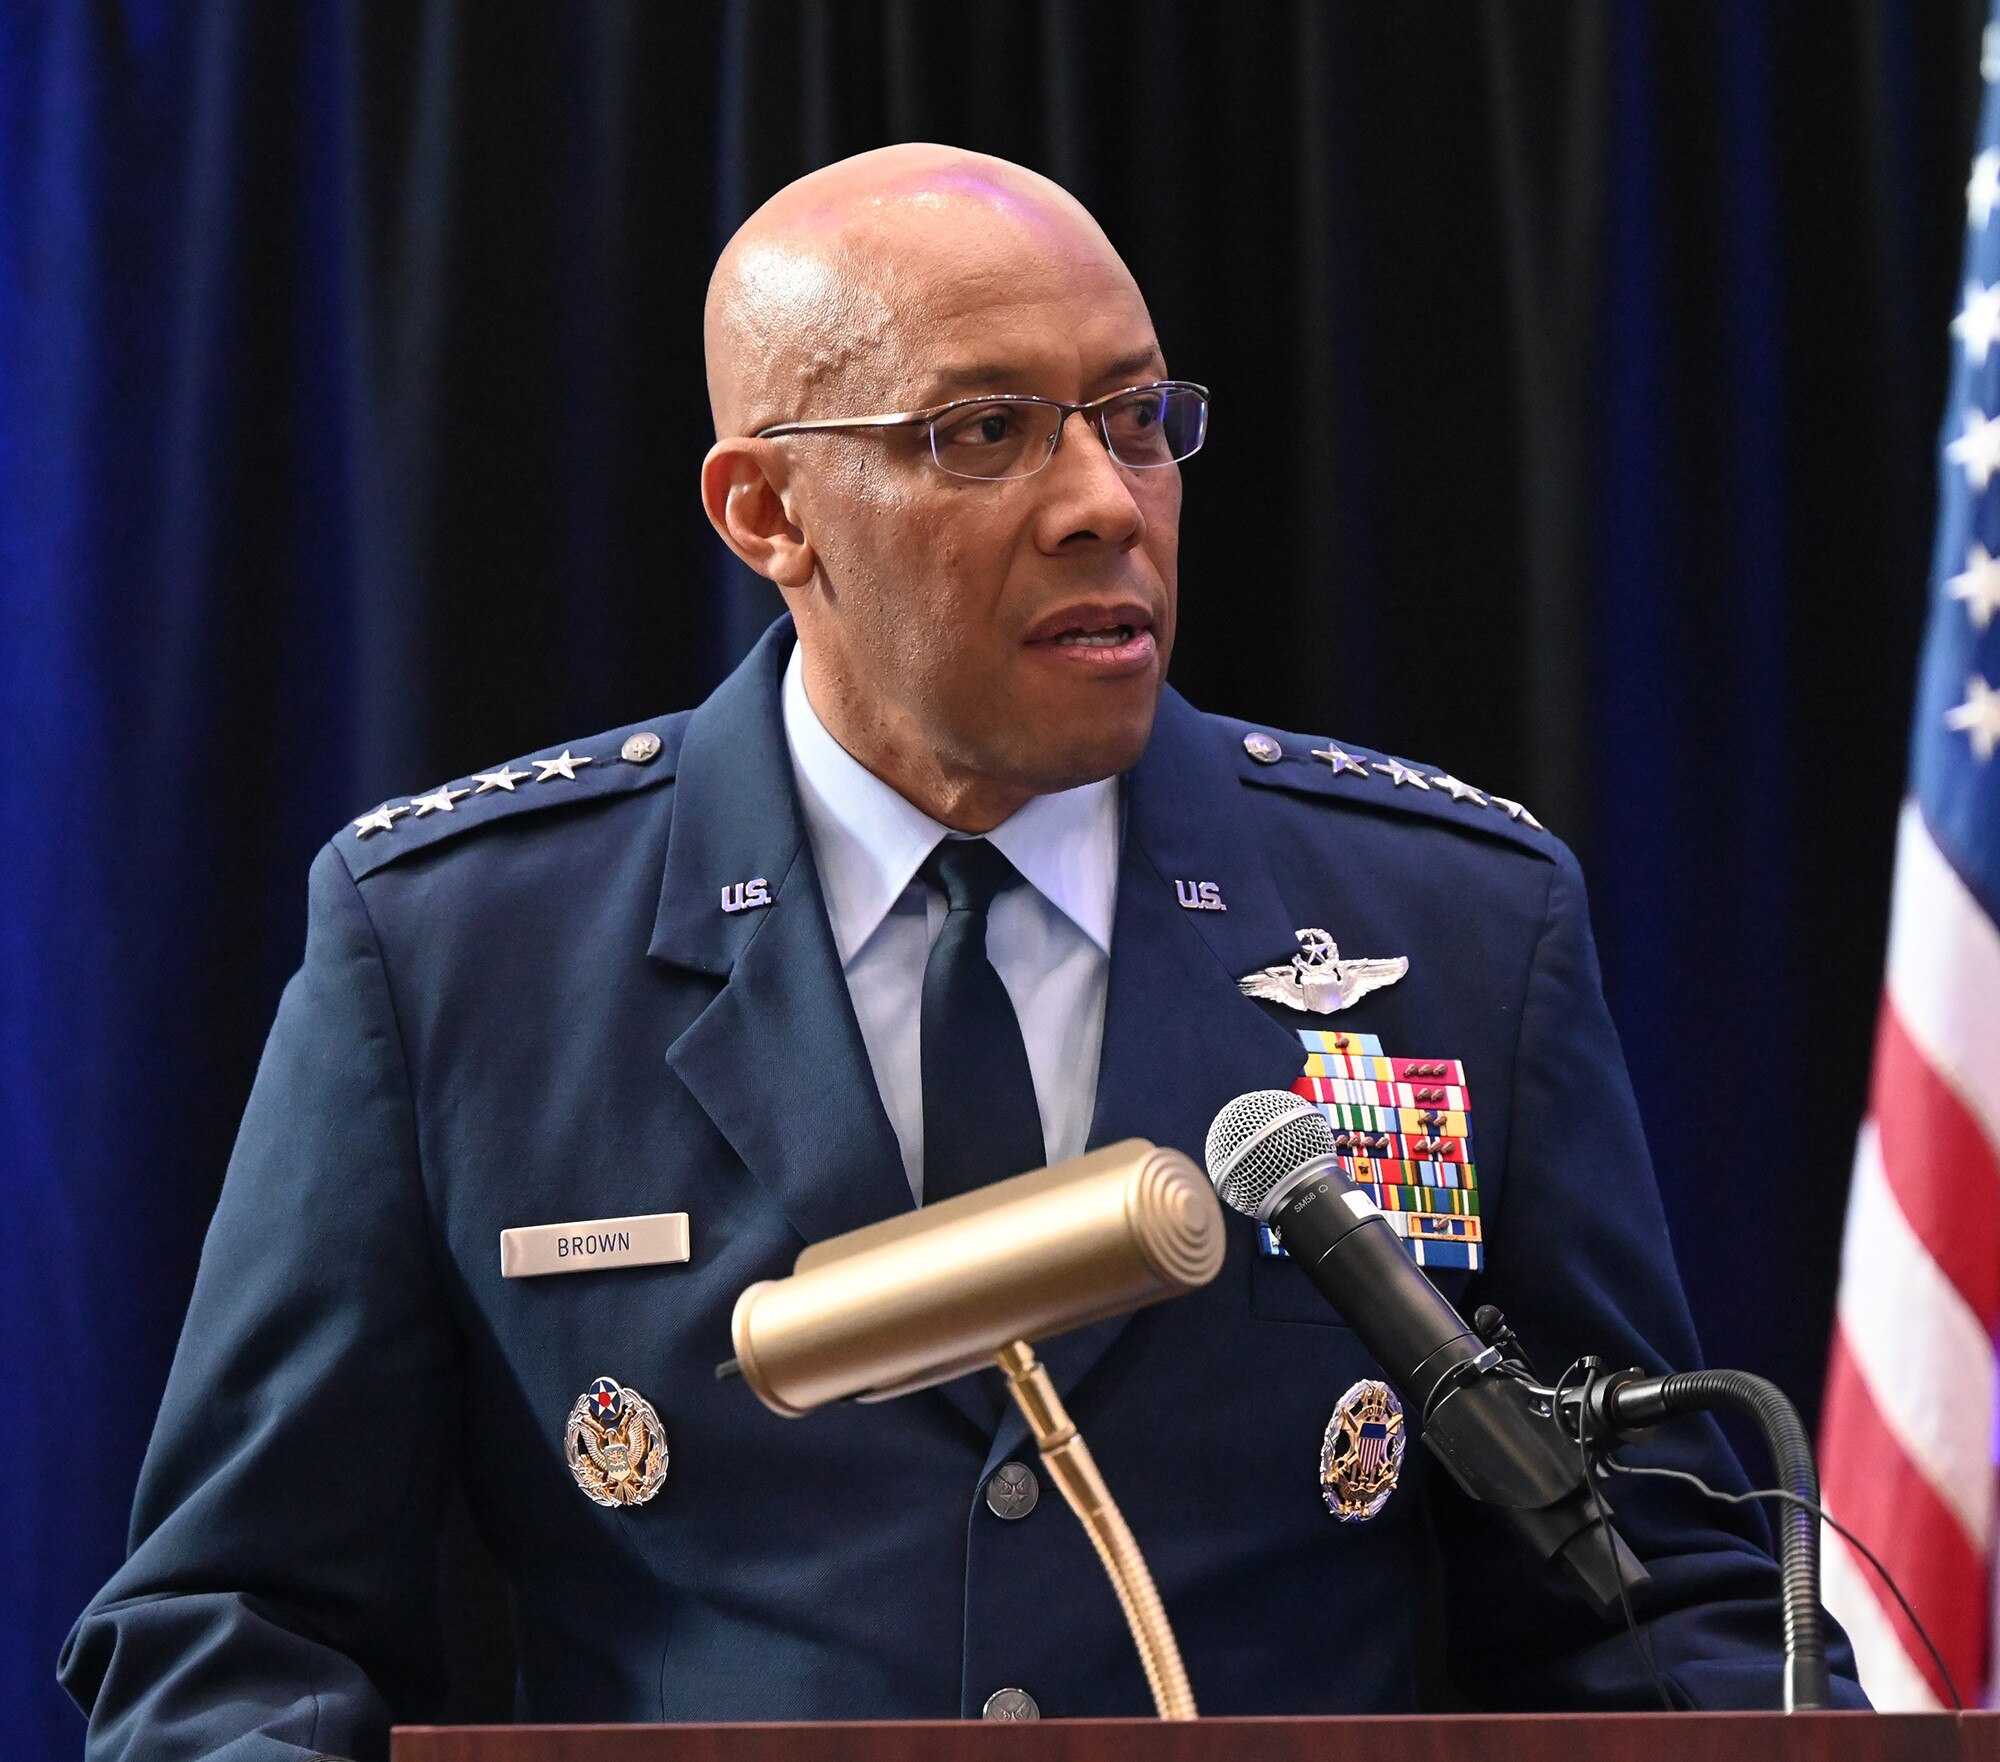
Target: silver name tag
x=656, y=1240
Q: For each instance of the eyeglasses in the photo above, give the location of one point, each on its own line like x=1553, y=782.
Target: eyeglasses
x=1143, y=426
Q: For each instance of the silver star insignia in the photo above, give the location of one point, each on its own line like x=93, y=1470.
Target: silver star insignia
x=383, y=819
x=1318, y=980
x=1458, y=791
x=438, y=801
x=1516, y=812
x=1978, y=718
x=1978, y=587
x=562, y=767
x=1340, y=761
x=504, y=778
x=1399, y=773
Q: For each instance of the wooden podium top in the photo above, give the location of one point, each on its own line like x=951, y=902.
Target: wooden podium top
x=1516, y=1737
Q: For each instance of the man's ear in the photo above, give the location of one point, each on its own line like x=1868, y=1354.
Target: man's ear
x=747, y=507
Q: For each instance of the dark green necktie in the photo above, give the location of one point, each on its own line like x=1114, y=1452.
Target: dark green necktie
x=981, y=1123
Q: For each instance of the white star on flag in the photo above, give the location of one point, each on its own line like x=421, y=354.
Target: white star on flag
x=1907, y=1422
x=1978, y=587
x=1977, y=449
x=1978, y=321
x=1984, y=190
x=1978, y=718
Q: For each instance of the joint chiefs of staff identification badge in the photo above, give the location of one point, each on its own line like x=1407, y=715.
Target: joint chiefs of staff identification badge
x=616, y=1446
x=1363, y=1451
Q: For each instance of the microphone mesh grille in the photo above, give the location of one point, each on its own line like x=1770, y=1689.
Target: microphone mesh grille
x=1259, y=1139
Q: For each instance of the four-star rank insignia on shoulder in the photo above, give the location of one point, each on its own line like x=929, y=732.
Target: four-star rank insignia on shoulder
x=616, y=1446
x=1402, y=1128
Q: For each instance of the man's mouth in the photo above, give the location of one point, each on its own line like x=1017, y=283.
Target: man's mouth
x=1110, y=637
x=1110, y=643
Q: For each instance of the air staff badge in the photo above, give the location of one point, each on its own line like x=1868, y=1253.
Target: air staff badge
x=616, y=1446
x=1363, y=1451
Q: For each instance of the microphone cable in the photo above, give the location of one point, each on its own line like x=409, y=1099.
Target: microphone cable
x=1608, y=1464
x=1604, y=1463
x=1640, y=1643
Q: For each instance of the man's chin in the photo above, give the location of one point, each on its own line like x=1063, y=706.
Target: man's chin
x=1108, y=748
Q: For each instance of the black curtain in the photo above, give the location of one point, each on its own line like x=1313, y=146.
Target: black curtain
x=1575, y=367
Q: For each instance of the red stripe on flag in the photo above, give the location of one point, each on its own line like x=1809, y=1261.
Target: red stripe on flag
x=1941, y=1167
x=1873, y=1487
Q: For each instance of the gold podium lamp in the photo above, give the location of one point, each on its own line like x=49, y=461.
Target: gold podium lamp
x=949, y=1288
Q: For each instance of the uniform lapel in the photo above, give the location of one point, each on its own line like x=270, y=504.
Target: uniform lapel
x=1180, y=1038
x=776, y=1059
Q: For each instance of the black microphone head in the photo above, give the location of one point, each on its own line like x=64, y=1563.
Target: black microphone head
x=1257, y=1141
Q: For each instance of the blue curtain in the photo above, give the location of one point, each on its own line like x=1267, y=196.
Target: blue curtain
x=1575, y=376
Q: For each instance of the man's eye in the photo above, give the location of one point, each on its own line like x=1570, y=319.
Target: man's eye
x=1141, y=416
x=990, y=426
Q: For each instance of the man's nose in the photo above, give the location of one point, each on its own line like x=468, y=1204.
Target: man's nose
x=1093, y=502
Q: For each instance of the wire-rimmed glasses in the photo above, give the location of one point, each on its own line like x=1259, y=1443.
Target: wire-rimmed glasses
x=1142, y=426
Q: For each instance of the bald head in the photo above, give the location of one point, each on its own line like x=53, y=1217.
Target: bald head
x=973, y=640
x=822, y=300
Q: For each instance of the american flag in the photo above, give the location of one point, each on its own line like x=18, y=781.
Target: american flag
x=1907, y=1437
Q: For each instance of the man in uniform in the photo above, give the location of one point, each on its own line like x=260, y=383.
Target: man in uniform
x=941, y=884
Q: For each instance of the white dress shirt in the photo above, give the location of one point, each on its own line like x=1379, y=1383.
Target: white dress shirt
x=1050, y=941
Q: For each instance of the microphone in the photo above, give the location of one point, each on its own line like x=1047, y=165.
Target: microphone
x=937, y=1292
x=1270, y=1155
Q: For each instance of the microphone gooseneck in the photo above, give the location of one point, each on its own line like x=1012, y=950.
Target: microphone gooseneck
x=1608, y=1408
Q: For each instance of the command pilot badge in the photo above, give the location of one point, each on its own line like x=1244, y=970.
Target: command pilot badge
x=1363, y=1451
x=1318, y=980
x=616, y=1446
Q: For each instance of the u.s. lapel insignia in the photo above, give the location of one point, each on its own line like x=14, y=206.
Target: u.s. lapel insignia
x=1199, y=896
x=1317, y=980
x=746, y=896
x=616, y=1446
x=1363, y=1451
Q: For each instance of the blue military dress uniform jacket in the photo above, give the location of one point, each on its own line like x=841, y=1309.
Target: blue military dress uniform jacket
x=530, y=1007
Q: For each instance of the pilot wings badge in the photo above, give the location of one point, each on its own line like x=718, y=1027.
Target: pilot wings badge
x=616, y=1446
x=1318, y=980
